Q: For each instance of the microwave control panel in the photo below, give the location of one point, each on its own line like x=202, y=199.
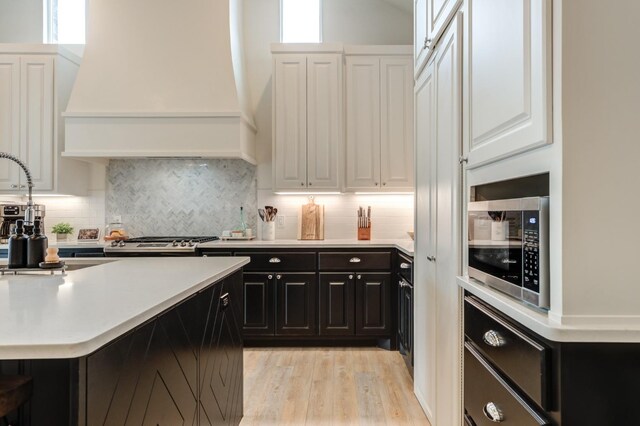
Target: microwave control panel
x=531, y=250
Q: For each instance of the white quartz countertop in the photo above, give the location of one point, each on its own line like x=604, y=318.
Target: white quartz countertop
x=539, y=322
x=72, y=315
x=403, y=245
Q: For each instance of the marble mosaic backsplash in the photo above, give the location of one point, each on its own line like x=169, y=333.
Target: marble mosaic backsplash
x=179, y=196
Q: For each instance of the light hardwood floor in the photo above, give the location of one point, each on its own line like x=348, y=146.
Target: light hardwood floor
x=328, y=386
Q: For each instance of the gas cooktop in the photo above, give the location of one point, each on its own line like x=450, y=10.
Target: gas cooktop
x=170, y=245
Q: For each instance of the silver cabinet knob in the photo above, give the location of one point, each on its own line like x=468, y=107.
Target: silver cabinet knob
x=121, y=244
x=493, y=413
x=376, y=183
x=494, y=339
x=405, y=265
x=23, y=186
x=301, y=183
x=278, y=276
x=359, y=276
x=355, y=260
x=269, y=277
x=350, y=277
x=275, y=260
x=384, y=183
x=463, y=159
x=310, y=183
x=14, y=186
x=427, y=42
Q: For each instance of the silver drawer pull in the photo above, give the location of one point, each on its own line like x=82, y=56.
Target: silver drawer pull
x=494, y=339
x=404, y=265
x=355, y=260
x=275, y=260
x=431, y=258
x=493, y=413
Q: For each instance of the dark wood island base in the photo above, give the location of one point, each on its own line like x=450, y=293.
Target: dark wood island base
x=183, y=366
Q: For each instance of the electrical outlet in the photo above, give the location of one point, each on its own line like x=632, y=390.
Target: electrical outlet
x=117, y=218
x=280, y=221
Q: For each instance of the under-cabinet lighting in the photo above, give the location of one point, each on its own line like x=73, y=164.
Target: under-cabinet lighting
x=307, y=193
x=383, y=193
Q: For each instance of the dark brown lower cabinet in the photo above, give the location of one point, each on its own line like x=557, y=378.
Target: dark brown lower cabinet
x=182, y=367
x=337, y=304
x=259, y=293
x=373, y=304
x=280, y=304
x=296, y=304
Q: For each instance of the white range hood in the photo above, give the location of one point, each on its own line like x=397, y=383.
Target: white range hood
x=161, y=79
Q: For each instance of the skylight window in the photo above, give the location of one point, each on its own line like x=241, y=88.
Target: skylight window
x=300, y=21
x=65, y=21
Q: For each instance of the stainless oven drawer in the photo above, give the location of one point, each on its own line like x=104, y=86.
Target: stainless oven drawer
x=522, y=359
x=489, y=400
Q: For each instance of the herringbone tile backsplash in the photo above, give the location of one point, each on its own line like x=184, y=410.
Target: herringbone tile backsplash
x=181, y=197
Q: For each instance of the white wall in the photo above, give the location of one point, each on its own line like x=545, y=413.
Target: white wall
x=21, y=21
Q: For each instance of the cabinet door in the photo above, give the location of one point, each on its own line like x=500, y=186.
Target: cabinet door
x=337, y=314
x=420, y=39
x=9, y=119
x=396, y=124
x=36, y=119
x=447, y=227
x=439, y=12
x=290, y=111
x=424, y=271
x=296, y=304
x=259, y=304
x=363, y=123
x=509, y=78
x=373, y=304
x=324, y=112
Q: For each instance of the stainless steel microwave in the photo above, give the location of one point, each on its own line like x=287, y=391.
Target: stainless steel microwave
x=509, y=247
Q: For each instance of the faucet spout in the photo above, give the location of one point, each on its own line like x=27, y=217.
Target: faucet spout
x=29, y=214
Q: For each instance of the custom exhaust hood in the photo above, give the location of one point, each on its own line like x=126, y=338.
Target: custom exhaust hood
x=161, y=79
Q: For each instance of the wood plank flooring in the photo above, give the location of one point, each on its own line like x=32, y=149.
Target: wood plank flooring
x=328, y=386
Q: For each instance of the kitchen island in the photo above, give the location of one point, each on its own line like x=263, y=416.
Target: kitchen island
x=130, y=341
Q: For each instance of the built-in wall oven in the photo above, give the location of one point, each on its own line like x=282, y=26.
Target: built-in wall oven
x=509, y=247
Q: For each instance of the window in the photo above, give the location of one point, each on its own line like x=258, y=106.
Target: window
x=64, y=21
x=300, y=21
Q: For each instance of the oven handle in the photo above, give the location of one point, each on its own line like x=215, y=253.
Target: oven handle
x=404, y=283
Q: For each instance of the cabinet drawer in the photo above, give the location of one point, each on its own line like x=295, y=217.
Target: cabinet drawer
x=280, y=262
x=484, y=389
x=523, y=360
x=355, y=261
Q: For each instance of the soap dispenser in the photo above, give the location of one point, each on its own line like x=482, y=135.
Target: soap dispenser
x=18, y=247
x=36, y=246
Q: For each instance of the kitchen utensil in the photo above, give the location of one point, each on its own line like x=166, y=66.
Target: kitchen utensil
x=262, y=214
x=311, y=220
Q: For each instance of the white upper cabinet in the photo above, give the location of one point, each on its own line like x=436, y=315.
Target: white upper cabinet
x=363, y=123
x=379, y=122
x=307, y=116
x=396, y=132
x=430, y=19
x=36, y=118
x=35, y=83
x=9, y=119
x=324, y=120
x=290, y=121
x=509, y=78
x=27, y=120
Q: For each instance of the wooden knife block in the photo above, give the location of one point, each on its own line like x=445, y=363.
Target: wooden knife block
x=364, y=233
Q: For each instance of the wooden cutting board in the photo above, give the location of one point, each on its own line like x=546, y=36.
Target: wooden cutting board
x=311, y=222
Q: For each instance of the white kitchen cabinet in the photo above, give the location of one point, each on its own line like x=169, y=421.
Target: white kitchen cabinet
x=35, y=82
x=430, y=19
x=379, y=121
x=437, y=370
x=9, y=118
x=509, y=78
x=307, y=92
x=26, y=112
